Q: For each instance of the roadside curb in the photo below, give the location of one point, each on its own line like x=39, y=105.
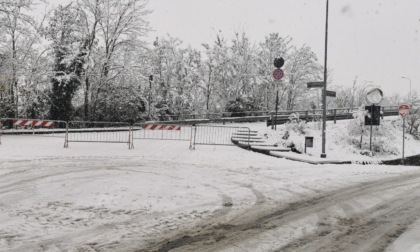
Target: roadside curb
x=256, y=144
x=315, y=162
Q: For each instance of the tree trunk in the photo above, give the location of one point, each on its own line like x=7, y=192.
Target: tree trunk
x=86, y=105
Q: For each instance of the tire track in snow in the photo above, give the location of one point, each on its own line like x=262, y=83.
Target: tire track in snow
x=247, y=228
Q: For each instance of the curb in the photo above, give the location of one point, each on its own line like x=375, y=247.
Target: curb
x=276, y=154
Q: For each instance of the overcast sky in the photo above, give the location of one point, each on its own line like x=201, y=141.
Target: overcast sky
x=376, y=40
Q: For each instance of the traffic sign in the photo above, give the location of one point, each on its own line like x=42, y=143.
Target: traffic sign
x=278, y=62
x=404, y=110
x=374, y=96
x=278, y=74
x=315, y=84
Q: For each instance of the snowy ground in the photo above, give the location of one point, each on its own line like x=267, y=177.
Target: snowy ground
x=105, y=197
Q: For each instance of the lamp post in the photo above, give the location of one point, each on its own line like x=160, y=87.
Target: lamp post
x=324, y=95
x=410, y=88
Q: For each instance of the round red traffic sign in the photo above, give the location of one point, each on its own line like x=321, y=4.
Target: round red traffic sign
x=278, y=74
x=404, y=110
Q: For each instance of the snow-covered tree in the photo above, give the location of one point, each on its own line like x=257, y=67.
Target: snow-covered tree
x=274, y=46
x=18, y=40
x=302, y=66
x=69, y=58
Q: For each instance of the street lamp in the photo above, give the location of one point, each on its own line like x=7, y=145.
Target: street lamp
x=410, y=87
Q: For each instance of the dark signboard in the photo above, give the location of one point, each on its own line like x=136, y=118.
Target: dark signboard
x=374, y=115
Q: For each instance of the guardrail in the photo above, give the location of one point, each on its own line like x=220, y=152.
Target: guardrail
x=332, y=115
x=263, y=113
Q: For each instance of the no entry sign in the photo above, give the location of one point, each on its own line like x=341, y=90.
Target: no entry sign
x=278, y=74
x=404, y=110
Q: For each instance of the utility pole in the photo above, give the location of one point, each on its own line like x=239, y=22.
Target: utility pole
x=324, y=95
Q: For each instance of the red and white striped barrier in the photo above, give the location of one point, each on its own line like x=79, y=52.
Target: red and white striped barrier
x=161, y=127
x=33, y=123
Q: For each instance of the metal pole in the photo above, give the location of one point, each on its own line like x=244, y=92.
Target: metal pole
x=324, y=95
x=371, y=127
x=277, y=105
x=150, y=93
x=403, y=161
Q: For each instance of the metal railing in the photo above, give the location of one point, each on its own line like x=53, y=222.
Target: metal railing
x=158, y=131
x=332, y=114
x=39, y=127
x=219, y=135
x=98, y=132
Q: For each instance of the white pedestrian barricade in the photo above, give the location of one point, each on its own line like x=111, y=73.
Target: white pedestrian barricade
x=38, y=127
x=98, y=132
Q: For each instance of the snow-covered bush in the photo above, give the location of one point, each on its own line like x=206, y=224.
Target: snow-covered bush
x=296, y=124
x=241, y=105
x=356, y=126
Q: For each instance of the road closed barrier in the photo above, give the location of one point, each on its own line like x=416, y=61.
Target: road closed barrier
x=39, y=127
x=161, y=127
x=32, y=123
x=156, y=131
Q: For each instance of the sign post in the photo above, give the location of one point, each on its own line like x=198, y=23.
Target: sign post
x=278, y=74
x=374, y=96
x=403, y=111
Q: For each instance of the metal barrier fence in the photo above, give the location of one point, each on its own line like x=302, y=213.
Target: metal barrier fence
x=196, y=135
x=161, y=131
x=220, y=135
x=114, y=132
x=99, y=132
x=39, y=127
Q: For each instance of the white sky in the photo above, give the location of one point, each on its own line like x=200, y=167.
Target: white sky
x=376, y=40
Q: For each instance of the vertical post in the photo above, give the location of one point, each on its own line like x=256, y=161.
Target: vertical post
x=324, y=94
x=1, y=129
x=335, y=116
x=277, y=105
x=371, y=127
x=195, y=134
x=403, y=149
x=130, y=138
x=150, y=92
x=272, y=120
x=66, y=137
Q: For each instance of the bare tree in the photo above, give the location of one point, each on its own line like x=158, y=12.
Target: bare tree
x=17, y=27
x=302, y=67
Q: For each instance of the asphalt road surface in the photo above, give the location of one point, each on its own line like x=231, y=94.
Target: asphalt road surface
x=365, y=217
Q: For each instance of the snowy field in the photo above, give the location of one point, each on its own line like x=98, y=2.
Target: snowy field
x=105, y=197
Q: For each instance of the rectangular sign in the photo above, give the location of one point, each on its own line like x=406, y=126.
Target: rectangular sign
x=373, y=116
x=315, y=84
x=331, y=93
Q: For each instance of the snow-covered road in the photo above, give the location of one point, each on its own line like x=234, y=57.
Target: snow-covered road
x=161, y=195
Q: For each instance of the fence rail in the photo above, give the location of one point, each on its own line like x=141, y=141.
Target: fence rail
x=98, y=132
x=332, y=115
x=159, y=131
x=40, y=127
x=219, y=135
